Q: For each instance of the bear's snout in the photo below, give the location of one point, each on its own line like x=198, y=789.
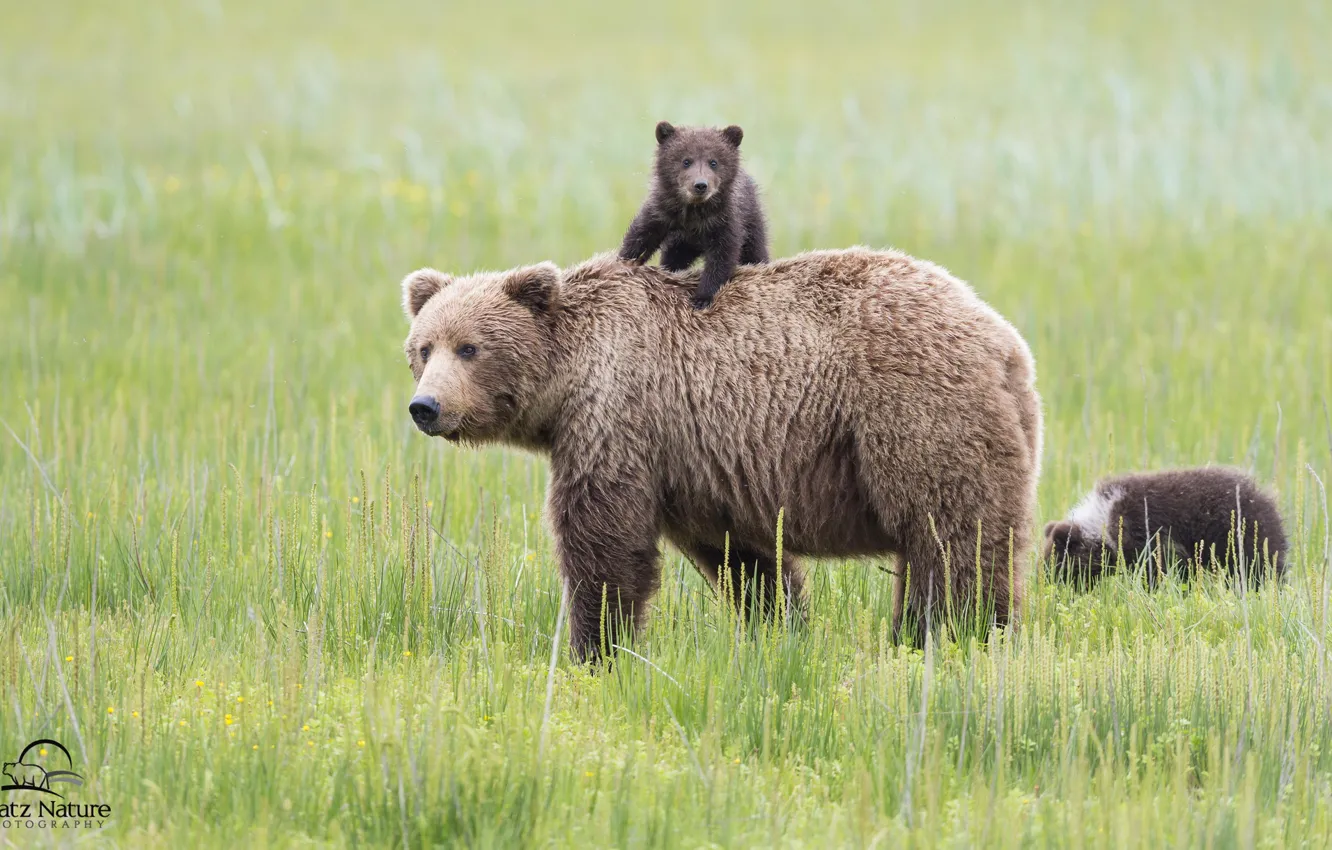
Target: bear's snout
x=430, y=419
x=424, y=411
x=697, y=186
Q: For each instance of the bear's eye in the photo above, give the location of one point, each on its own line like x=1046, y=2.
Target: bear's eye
x=466, y=352
x=712, y=163
x=687, y=163
x=425, y=354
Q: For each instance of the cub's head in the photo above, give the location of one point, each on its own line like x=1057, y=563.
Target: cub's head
x=695, y=164
x=480, y=349
x=1078, y=557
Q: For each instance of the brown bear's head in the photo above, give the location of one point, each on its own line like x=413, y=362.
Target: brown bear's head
x=697, y=164
x=1079, y=558
x=480, y=349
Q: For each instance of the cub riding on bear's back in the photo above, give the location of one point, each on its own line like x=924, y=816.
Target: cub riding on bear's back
x=702, y=203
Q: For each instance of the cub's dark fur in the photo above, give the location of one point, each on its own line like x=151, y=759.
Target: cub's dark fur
x=1184, y=519
x=702, y=203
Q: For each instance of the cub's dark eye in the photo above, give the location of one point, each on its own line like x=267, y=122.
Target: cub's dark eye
x=466, y=352
x=687, y=163
x=425, y=354
x=712, y=163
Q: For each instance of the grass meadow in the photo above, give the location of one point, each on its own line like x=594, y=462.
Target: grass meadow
x=261, y=610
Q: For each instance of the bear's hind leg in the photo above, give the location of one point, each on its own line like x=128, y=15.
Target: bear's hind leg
x=750, y=577
x=755, y=249
x=950, y=588
x=962, y=537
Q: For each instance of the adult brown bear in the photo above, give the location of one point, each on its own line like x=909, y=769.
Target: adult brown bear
x=871, y=395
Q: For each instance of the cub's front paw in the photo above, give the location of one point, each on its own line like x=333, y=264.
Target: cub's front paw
x=701, y=300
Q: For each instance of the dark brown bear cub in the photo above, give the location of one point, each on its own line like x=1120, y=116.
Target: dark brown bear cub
x=1183, y=519
x=702, y=203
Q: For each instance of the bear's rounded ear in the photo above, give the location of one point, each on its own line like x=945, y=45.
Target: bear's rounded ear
x=664, y=131
x=733, y=135
x=534, y=286
x=1059, y=531
x=419, y=287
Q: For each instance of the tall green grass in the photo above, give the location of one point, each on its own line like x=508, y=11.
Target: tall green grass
x=260, y=609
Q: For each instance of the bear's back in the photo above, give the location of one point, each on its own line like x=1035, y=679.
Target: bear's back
x=824, y=319
x=1196, y=508
x=815, y=294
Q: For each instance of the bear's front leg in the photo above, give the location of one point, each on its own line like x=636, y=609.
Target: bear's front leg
x=719, y=264
x=606, y=541
x=644, y=236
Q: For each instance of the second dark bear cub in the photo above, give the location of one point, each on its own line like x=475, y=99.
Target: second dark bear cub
x=1200, y=518
x=702, y=203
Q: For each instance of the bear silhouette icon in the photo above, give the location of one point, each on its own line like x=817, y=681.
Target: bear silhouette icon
x=27, y=775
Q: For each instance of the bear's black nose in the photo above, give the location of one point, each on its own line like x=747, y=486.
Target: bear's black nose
x=700, y=187
x=423, y=409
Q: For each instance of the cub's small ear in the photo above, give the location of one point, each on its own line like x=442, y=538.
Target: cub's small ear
x=1060, y=531
x=664, y=131
x=419, y=287
x=534, y=286
x=733, y=135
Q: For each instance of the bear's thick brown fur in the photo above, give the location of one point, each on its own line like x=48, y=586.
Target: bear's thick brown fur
x=871, y=395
